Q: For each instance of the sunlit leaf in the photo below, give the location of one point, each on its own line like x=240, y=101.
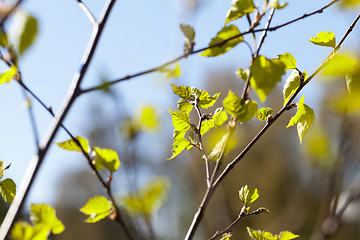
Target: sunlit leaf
x=304, y=118
x=248, y=195
x=226, y=33
x=206, y=101
x=275, y=4
x=226, y=236
x=149, y=199
x=263, y=113
x=24, y=231
x=171, y=72
x=180, y=144
x=28, y=27
x=97, y=208
x=71, y=145
x=288, y=60
x=341, y=65
x=265, y=73
x=8, y=75
x=217, y=120
x=149, y=118
x=261, y=235
x=318, y=148
x=349, y=3
x=225, y=145
x=242, y=73
x=8, y=190
x=182, y=91
x=291, y=85
x=180, y=121
x=286, y=235
x=326, y=39
x=45, y=215
x=184, y=106
x=238, y=9
x=107, y=158
x=237, y=107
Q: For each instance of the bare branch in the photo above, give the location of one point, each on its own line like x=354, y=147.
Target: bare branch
x=87, y=11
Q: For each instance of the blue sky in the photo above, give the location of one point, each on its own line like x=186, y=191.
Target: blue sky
x=139, y=35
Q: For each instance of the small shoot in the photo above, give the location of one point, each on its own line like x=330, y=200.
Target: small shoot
x=248, y=195
x=189, y=33
x=262, y=235
x=7, y=186
x=263, y=114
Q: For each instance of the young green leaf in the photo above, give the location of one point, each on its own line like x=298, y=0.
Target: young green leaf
x=291, y=85
x=71, y=145
x=242, y=110
x=349, y=3
x=184, y=106
x=182, y=91
x=226, y=33
x=45, y=215
x=326, y=39
x=238, y=9
x=304, y=118
x=28, y=27
x=265, y=73
x=188, y=31
x=217, y=120
x=24, y=231
x=149, y=199
x=288, y=60
x=225, y=145
x=275, y=4
x=8, y=75
x=242, y=73
x=341, y=65
x=206, y=101
x=260, y=235
x=107, y=158
x=149, y=118
x=171, y=72
x=286, y=235
x=226, y=236
x=97, y=208
x=180, y=144
x=8, y=190
x=181, y=121
x=263, y=113
x=247, y=195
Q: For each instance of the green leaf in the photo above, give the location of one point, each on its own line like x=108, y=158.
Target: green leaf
x=149, y=118
x=353, y=82
x=349, y=3
x=28, y=27
x=181, y=121
x=182, y=91
x=226, y=142
x=8, y=75
x=184, y=106
x=107, y=158
x=291, y=85
x=8, y=190
x=171, y=72
x=149, y=199
x=24, y=231
x=225, y=33
x=286, y=235
x=263, y=113
x=180, y=144
x=275, y=4
x=265, y=73
x=341, y=65
x=288, y=60
x=188, y=31
x=242, y=73
x=3, y=39
x=218, y=119
x=304, y=118
x=226, y=236
x=46, y=216
x=242, y=110
x=247, y=195
x=206, y=101
x=326, y=39
x=238, y=9
x=71, y=145
x=97, y=208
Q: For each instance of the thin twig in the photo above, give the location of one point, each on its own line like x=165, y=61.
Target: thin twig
x=9, y=12
x=251, y=30
x=44, y=145
x=32, y=118
x=200, y=212
x=87, y=11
